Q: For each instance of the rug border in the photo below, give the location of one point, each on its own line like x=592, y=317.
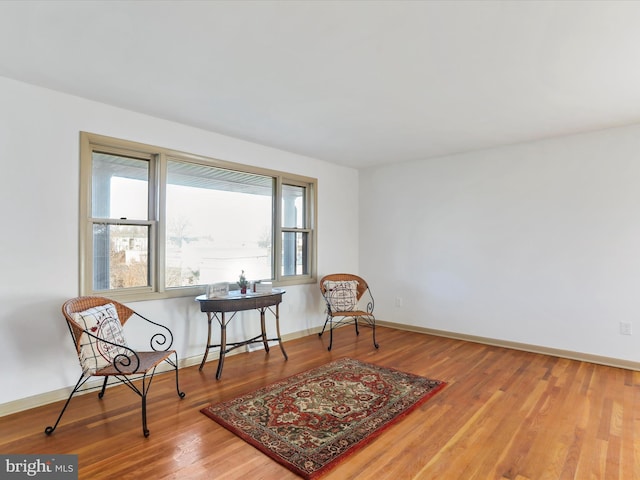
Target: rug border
x=347, y=453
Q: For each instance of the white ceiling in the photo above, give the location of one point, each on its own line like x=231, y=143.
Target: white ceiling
x=357, y=83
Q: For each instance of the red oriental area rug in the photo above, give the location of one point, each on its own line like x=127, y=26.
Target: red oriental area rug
x=311, y=421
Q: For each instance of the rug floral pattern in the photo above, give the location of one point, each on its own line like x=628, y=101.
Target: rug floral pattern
x=312, y=420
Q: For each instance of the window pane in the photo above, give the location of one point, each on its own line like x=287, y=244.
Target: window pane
x=119, y=187
x=293, y=206
x=219, y=222
x=120, y=256
x=295, y=253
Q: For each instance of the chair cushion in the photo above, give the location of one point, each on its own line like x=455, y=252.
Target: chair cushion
x=103, y=322
x=342, y=295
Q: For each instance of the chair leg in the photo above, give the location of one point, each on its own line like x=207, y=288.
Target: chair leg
x=146, y=385
x=104, y=387
x=175, y=366
x=49, y=430
x=145, y=430
x=325, y=325
x=330, y=334
x=356, y=323
x=375, y=344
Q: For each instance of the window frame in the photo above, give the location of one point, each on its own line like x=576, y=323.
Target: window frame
x=158, y=158
x=309, y=194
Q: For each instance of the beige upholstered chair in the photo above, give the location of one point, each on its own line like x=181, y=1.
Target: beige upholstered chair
x=96, y=325
x=344, y=294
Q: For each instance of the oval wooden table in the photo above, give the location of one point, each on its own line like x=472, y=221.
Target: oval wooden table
x=235, y=302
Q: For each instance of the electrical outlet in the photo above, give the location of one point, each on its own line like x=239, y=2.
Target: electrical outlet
x=399, y=302
x=625, y=328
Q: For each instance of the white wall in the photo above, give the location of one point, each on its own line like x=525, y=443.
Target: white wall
x=39, y=171
x=536, y=243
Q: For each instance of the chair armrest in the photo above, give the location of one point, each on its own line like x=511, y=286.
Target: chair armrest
x=369, y=301
x=326, y=301
x=124, y=363
x=162, y=340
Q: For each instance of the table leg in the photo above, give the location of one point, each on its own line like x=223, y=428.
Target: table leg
x=206, y=348
x=278, y=331
x=264, y=331
x=223, y=346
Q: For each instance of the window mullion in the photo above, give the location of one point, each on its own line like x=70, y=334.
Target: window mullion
x=277, y=230
x=159, y=203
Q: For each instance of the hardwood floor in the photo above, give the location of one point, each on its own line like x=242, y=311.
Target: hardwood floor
x=505, y=414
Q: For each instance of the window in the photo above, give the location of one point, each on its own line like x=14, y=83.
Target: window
x=121, y=225
x=158, y=223
x=295, y=233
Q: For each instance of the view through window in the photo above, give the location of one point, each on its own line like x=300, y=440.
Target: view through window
x=219, y=222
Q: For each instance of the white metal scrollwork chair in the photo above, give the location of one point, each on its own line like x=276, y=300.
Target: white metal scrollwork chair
x=343, y=294
x=96, y=325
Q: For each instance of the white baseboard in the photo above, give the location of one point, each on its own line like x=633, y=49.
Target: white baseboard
x=63, y=393
x=554, y=352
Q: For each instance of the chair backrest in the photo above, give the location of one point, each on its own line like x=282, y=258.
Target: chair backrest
x=80, y=304
x=341, y=277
